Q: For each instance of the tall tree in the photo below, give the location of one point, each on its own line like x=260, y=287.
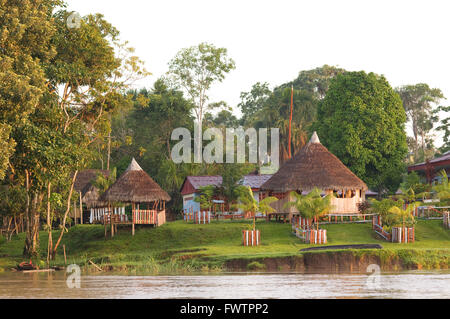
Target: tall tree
x=195, y=70
x=83, y=74
x=262, y=108
x=315, y=81
x=26, y=29
x=253, y=101
x=362, y=121
x=444, y=126
x=418, y=101
x=144, y=131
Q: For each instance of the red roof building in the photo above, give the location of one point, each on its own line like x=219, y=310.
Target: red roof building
x=431, y=168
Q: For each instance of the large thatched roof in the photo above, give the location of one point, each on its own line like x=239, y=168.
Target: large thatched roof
x=135, y=186
x=313, y=166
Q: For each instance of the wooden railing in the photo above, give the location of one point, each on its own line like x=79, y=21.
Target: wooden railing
x=145, y=217
x=312, y=236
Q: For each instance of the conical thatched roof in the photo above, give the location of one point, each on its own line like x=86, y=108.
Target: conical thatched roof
x=136, y=186
x=313, y=166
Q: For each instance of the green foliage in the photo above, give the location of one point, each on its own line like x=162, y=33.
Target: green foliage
x=7, y=145
x=248, y=203
x=442, y=189
x=102, y=183
x=370, y=138
x=397, y=216
x=444, y=126
x=25, y=33
x=195, y=69
x=213, y=245
x=231, y=175
x=382, y=207
x=144, y=131
x=205, y=197
x=311, y=205
x=418, y=103
x=392, y=212
x=262, y=108
x=253, y=101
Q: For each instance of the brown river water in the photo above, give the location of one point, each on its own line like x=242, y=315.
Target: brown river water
x=411, y=284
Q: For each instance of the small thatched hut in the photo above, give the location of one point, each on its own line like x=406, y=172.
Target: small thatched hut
x=314, y=166
x=147, y=198
x=88, y=193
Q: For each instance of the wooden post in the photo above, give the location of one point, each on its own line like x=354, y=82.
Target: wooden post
x=81, y=210
x=133, y=216
x=111, y=221
x=75, y=212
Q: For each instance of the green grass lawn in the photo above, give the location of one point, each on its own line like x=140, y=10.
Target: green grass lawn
x=211, y=244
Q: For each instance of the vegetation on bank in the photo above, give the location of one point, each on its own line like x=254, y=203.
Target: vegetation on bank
x=178, y=247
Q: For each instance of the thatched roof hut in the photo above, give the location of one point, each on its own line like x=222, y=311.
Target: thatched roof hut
x=313, y=166
x=89, y=193
x=135, y=186
x=86, y=176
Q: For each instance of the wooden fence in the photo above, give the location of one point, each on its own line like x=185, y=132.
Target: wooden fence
x=430, y=212
x=251, y=237
x=202, y=217
x=97, y=215
x=312, y=236
x=117, y=219
x=402, y=234
x=145, y=217
x=398, y=235
x=446, y=218
x=300, y=222
x=378, y=228
x=376, y=220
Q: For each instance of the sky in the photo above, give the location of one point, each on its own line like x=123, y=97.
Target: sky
x=271, y=41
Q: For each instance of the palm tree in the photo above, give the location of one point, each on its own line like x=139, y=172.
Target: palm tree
x=248, y=203
x=443, y=189
x=312, y=205
x=404, y=214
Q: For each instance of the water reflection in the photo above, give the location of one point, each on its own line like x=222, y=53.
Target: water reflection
x=417, y=284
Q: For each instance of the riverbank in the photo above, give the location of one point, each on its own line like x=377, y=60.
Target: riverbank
x=180, y=247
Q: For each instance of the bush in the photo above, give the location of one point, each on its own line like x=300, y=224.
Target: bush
x=364, y=207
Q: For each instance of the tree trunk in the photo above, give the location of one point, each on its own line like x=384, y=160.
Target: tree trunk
x=49, y=226
x=32, y=236
x=65, y=215
x=198, y=141
x=32, y=221
x=109, y=149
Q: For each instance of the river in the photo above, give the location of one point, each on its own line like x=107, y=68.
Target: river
x=411, y=284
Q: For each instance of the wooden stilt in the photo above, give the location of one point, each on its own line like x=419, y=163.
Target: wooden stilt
x=81, y=210
x=133, y=214
x=111, y=221
x=75, y=212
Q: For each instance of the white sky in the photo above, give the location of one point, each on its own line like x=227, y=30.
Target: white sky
x=271, y=41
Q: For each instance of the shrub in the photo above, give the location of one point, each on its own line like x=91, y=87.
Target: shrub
x=364, y=207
